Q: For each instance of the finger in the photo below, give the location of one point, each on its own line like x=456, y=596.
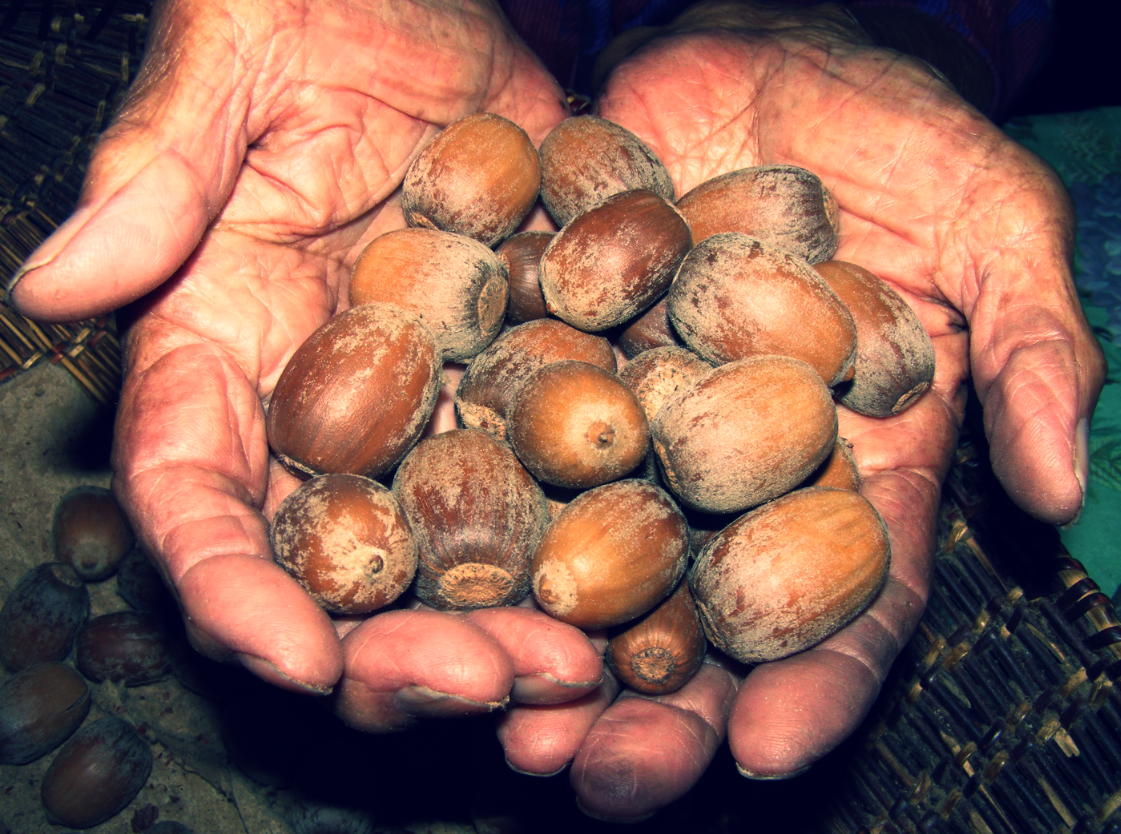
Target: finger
x=541, y=739
x=192, y=490
x=644, y=752
x=553, y=662
x=404, y=665
x=155, y=180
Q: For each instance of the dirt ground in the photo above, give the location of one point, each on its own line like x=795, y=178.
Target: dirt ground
x=232, y=755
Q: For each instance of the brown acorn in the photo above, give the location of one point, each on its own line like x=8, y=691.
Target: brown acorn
x=576, y=425
x=736, y=296
x=745, y=433
x=347, y=541
x=42, y=615
x=660, y=652
x=90, y=533
x=649, y=330
x=40, y=708
x=586, y=159
x=521, y=255
x=611, y=555
x=129, y=647
x=610, y=263
x=789, y=574
x=838, y=470
x=96, y=774
x=140, y=585
x=356, y=395
x=656, y=375
x=476, y=516
x=495, y=375
x=454, y=284
x=894, y=354
x=782, y=205
x=478, y=177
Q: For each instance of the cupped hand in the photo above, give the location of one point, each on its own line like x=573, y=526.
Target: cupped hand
x=259, y=150
x=974, y=232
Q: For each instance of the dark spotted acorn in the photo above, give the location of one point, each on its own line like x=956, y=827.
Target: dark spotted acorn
x=96, y=774
x=41, y=616
x=40, y=708
x=129, y=647
x=476, y=515
x=90, y=533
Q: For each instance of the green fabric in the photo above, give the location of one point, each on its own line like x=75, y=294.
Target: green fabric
x=1085, y=150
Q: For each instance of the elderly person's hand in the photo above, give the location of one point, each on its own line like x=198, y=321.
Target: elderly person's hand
x=260, y=149
x=973, y=231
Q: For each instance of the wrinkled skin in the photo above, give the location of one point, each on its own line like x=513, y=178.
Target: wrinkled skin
x=260, y=152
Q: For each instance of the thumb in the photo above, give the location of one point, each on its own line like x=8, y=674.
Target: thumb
x=159, y=175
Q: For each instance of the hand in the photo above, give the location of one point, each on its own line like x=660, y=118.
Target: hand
x=974, y=232
x=259, y=151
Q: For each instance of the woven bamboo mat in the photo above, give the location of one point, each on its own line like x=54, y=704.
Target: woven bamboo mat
x=64, y=68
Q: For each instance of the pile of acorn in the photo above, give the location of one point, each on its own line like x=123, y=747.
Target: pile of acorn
x=100, y=765
x=712, y=451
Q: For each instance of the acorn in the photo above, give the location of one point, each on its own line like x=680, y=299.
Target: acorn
x=838, y=470
x=129, y=647
x=610, y=263
x=347, y=541
x=894, y=354
x=656, y=375
x=746, y=433
x=576, y=425
x=782, y=205
x=736, y=296
x=457, y=286
x=521, y=255
x=495, y=375
x=90, y=533
x=648, y=330
x=140, y=584
x=40, y=708
x=611, y=555
x=587, y=159
x=787, y=575
x=96, y=774
x=659, y=653
x=356, y=395
x=42, y=615
x=476, y=516
x=478, y=177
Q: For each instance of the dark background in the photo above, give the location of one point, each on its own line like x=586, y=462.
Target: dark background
x=1083, y=68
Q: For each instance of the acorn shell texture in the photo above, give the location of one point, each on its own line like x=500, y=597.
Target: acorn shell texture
x=576, y=425
x=493, y=377
x=586, y=159
x=659, y=653
x=476, y=516
x=611, y=555
x=894, y=354
x=42, y=615
x=40, y=708
x=746, y=433
x=612, y=262
x=130, y=647
x=782, y=205
x=478, y=177
x=790, y=573
x=347, y=541
x=736, y=296
x=356, y=395
x=457, y=286
x=90, y=533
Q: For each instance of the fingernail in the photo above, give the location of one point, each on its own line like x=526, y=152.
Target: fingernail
x=47, y=251
x=771, y=777
x=1081, y=465
x=267, y=671
x=542, y=688
x=606, y=818
x=533, y=773
x=422, y=702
